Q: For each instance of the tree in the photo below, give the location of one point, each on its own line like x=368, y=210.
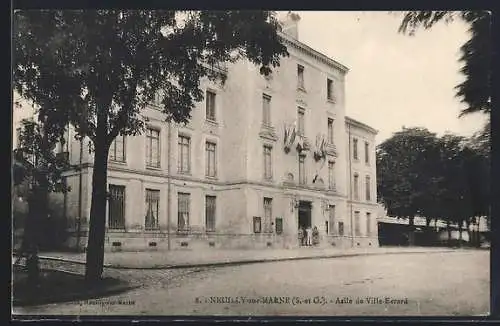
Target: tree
x=439, y=178
x=97, y=70
x=456, y=196
x=38, y=170
x=408, y=181
x=478, y=167
x=475, y=90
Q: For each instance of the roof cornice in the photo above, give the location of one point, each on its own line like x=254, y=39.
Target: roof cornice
x=356, y=123
x=311, y=52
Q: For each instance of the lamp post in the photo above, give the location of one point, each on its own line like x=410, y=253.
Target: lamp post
x=80, y=186
x=169, y=183
x=350, y=185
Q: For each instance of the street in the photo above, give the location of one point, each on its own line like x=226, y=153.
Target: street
x=406, y=284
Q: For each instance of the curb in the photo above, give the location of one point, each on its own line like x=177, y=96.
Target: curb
x=245, y=262
x=270, y=260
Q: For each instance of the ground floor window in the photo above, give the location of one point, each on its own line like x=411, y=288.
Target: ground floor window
x=210, y=213
x=368, y=224
x=256, y=224
x=357, y=231
x=268, y=213
x=116, y=207
x=341, y=228
x=331, y=217
x=152, y=209
x=279, y=225
x=183, y=211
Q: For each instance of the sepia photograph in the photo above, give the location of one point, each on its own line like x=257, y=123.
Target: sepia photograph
x=250, y=163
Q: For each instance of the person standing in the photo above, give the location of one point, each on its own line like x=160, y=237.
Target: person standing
x=309, y=236
x=301, y=236
x=315, y=236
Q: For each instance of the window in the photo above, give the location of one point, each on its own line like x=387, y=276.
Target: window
x=329, y=89
x=330, y=130
x=326, y=227
x=356, y=186
x=210, y=167
x=300, y=118
x=117, y=149
x=279, y=225
x=341, y=228
x=331, y=175
x=368, y=224
x=268, y=213
x=367, y=153
x=355, y=148
x=268, y=172
x=331, y=216
x=182, y=211
x=368, y=193
x=356, y=223
x=300, y=76
x=184, y=164
x=152, y=208
x=210, y=105
x=257, y=227
x=210, y=213
x=266, y=110
x=116, y=207
x=152, y=147
x=302, y=172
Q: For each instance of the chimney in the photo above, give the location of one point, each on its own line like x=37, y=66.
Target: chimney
x=290, y=25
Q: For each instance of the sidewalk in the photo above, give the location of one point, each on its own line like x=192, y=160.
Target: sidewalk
x=216, y=257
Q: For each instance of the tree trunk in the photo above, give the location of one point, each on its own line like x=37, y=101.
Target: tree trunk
x=37, y=204
x=411, y=232
x=469, y=233
x=97, y=225
x=478, y=234
x=449, y=232
x=460, y=224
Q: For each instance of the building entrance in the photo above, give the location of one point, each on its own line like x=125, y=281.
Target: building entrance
x=304, y=222
x=304, y=214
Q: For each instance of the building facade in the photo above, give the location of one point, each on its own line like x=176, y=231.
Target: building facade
x=260, y=158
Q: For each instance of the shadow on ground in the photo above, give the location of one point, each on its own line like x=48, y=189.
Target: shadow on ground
x=58, y=286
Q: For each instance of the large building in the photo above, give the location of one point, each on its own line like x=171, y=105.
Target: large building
x=259, y=158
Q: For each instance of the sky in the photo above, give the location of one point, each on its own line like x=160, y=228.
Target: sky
x=394, y=80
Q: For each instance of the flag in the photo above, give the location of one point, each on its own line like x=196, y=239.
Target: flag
x=293, y=133
x=286, y=135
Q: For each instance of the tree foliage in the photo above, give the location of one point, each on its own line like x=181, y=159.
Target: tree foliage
x=37, y=171
x=444, y=177
x=36, y=161
x=476, y=53
x=98, y=69
x=74, y=63
x=407, y=180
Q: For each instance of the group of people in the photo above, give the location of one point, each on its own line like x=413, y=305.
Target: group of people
x=307, y=235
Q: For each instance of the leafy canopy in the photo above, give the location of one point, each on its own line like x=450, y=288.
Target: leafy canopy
x=36, y=161
x=436, y=177
x=92, y=68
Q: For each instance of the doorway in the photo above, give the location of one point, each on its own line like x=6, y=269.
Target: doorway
x=305, y=214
